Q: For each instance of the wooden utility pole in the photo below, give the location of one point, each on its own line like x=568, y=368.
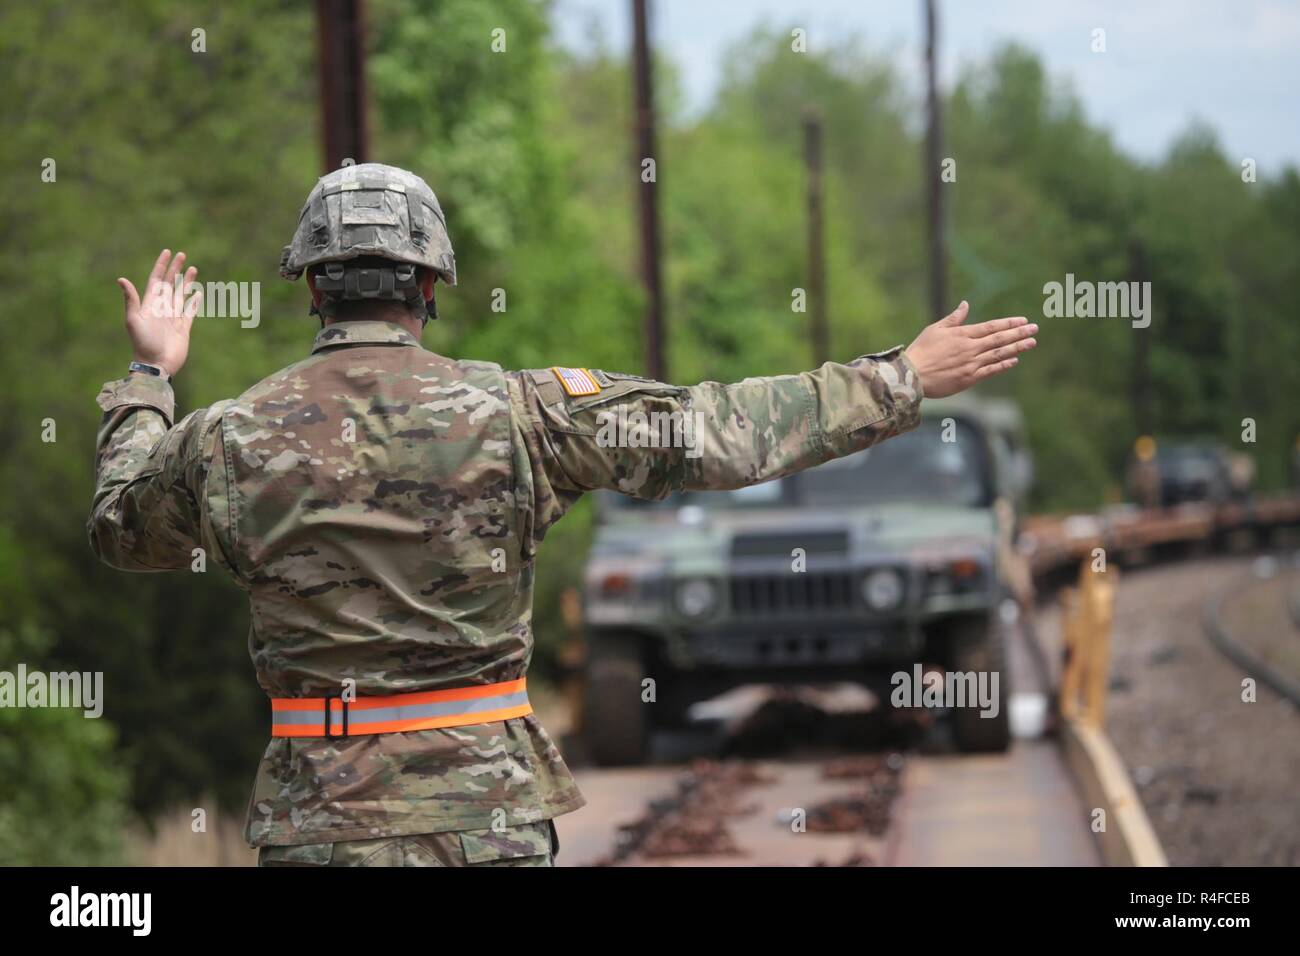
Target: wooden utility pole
x=812, y=157
x=933, y=148
x=655, y=340
x=341, y=33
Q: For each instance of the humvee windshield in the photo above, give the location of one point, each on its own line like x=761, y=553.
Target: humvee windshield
x=917, y=467
x=1190, y=462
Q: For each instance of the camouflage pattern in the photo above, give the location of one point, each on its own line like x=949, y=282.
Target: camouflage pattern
x=527, y=845
x=370, y=210
x=749, y=432
x=382, y=506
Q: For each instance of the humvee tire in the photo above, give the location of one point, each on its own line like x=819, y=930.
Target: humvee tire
x=615, y=721
x=977, y=644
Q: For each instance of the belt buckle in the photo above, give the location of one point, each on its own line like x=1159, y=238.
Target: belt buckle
x=328, y=715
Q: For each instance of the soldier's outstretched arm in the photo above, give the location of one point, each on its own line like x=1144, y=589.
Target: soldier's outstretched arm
x=149, y=475
x=592, y=429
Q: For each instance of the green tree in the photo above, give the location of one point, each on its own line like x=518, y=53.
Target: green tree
x=62, y=793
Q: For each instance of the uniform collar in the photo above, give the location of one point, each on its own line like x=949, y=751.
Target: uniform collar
x=363, y=333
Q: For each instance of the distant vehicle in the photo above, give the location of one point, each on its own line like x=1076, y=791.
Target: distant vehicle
x=853, y=570
x=1171, y=473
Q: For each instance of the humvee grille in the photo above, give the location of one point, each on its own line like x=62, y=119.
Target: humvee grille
x=815, y=544
x=793, y=593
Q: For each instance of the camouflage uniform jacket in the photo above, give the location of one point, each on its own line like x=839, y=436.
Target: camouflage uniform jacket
x=382, y=506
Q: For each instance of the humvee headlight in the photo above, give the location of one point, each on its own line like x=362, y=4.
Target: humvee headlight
x=883, y=589
x=962, y=576
x=697, y=597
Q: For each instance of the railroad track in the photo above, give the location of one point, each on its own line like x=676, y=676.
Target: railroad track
x=1240, y=653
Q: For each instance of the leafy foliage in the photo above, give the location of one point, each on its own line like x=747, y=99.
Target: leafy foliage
x=62, y=795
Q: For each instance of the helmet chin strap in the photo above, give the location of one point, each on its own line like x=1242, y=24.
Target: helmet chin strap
x=430, y=309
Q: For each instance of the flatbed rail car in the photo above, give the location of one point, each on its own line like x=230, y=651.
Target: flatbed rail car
x=1054, y=544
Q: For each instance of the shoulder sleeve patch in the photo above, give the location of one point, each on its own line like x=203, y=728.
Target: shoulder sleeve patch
x=576, y=381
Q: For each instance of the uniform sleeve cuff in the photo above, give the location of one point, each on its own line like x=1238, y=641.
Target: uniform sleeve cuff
x=146, y=390
x=915, y=376
x=898, y=386
x=903, y=380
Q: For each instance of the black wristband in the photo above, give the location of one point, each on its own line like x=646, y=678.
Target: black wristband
x=146, y=368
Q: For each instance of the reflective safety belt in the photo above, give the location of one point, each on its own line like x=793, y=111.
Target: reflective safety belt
x=334, y=718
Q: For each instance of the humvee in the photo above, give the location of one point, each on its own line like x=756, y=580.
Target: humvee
x=1187, y=471
x=851, y=571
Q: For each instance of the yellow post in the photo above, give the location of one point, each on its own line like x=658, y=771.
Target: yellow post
x=1087, y=614
x=1099, y=608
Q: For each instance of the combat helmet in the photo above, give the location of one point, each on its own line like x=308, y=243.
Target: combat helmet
x=371, y=210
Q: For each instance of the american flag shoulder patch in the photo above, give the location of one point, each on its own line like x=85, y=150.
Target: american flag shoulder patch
x=576, y=381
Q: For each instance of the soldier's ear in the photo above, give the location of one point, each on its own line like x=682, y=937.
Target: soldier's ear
x=427, y=280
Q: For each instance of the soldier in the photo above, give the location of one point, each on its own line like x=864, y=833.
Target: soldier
x=382, y=506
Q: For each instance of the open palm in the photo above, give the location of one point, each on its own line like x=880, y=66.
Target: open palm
x=951, y=357
x=159, y=325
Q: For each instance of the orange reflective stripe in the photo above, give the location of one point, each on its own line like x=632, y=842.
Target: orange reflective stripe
x=423, y=697
x=426, y=710
x=397, y=726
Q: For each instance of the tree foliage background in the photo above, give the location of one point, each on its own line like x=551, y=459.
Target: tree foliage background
x=529, y=150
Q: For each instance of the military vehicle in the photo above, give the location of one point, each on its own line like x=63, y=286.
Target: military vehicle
x=851, y=571
x=1186, y=471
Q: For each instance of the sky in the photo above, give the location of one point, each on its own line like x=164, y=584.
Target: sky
x=1234, y=64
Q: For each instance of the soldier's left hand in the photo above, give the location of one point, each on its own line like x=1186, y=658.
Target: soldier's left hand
x=159, y=325
x=951, y=357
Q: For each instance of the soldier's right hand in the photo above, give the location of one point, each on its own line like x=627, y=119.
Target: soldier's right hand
x=951, y=357
x=159, y=326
